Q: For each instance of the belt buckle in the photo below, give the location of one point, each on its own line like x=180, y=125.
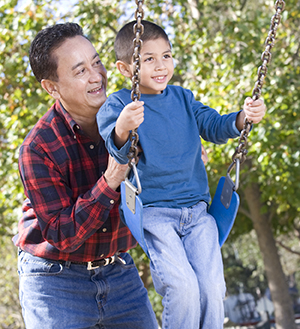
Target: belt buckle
x=91, y=267
x=109, y=260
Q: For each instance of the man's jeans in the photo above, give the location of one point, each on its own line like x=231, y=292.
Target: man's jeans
x=186, y=266
x=56, y=296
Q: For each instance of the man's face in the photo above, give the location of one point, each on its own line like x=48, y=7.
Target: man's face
x=82, y=79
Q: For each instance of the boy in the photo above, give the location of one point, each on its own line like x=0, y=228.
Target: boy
x=182, y=238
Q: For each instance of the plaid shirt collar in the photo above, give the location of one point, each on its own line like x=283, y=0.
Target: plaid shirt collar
x=67, y=117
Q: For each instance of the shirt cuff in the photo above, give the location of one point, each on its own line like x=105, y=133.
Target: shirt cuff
x=120, y=155
x=236, y=131
x=102, y=193
x=234, y=127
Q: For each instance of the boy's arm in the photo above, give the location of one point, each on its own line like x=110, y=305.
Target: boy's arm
x=253, y=110
x=129, y=119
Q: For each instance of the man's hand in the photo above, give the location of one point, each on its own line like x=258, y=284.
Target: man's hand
x=115, y=173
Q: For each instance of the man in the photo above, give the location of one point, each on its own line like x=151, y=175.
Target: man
x=74, y=272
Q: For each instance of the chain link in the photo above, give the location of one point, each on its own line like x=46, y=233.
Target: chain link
x=241, y=151
x=138, y=30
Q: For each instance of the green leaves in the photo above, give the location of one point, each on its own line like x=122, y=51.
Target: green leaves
x=217, y=47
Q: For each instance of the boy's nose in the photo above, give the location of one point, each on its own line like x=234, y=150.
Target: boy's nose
x=160, y=65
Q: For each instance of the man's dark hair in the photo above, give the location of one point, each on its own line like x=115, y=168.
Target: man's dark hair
x=42, y=61
x=124, y=40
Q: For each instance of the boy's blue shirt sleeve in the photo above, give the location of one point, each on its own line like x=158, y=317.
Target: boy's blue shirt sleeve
x=212, y=126
x=120, y=155
x=106, y=121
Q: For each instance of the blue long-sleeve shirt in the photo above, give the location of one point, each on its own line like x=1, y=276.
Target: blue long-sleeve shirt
x=170, y=168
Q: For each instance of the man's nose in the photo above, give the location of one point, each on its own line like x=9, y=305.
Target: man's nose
x=96, y=75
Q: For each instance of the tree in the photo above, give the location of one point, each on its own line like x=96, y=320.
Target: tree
x=217, y=47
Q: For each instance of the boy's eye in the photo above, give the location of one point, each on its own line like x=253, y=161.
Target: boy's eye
x=148, y=59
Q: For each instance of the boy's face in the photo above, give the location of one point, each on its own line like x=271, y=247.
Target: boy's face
x=156, y=66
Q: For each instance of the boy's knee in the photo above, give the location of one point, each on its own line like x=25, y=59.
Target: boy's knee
x=188, y=290
x=213, y=290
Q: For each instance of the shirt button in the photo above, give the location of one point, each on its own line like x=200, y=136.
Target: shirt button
x=112, y=201
x=92, y=146
x=102, y=255
x=77, y=127
x=74, y=136
x=104, y=230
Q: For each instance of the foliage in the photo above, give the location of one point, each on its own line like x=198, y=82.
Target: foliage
x=244, y=265
x=217, y=48
x=21, y=97
x=10, y=313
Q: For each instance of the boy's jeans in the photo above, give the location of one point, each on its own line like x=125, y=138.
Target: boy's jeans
x=186, y=266
x=64, y=297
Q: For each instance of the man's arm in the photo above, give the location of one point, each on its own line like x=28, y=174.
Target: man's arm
x=67, y=217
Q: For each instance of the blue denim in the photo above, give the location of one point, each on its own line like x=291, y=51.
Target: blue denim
x=186, y=266
x=56, y=296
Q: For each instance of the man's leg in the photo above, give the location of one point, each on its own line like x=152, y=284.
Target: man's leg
x=122, y=298
x=70, y=296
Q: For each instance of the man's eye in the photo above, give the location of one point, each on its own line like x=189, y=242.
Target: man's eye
x=80, y=71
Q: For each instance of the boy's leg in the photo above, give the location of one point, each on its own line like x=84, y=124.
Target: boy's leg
x=200, y=239
x=70, y=296
x=172, y=274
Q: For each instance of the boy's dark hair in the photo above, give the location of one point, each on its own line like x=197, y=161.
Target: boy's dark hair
x=42, y=62
x=124, y=40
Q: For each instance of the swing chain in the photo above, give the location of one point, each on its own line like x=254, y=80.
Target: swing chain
x=138, y=30
x=241, y=151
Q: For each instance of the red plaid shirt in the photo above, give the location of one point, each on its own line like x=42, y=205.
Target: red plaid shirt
x=72, y=214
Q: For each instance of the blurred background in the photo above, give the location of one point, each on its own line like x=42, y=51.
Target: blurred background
x=217, y=46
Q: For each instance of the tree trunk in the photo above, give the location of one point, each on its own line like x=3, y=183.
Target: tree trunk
x=284, y=314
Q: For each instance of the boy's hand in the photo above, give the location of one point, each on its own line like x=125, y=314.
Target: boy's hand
x=129, y=119
x=253, y=110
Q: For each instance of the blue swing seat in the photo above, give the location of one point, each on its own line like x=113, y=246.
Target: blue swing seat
x=224, y=207
x=131, y=211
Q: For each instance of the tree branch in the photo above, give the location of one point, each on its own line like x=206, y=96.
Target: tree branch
x=245, y=212
x=287, y=248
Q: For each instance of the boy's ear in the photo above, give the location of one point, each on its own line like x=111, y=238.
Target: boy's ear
x=51, y=88
x=124, y=69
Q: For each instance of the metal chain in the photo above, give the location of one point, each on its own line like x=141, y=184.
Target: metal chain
x=138, y=30
x=241, y=151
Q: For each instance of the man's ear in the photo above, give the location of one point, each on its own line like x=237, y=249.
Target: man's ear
x=124, y=69
x=51, y=88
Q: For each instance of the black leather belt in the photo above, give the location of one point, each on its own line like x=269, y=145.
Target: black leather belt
x=98, y=263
